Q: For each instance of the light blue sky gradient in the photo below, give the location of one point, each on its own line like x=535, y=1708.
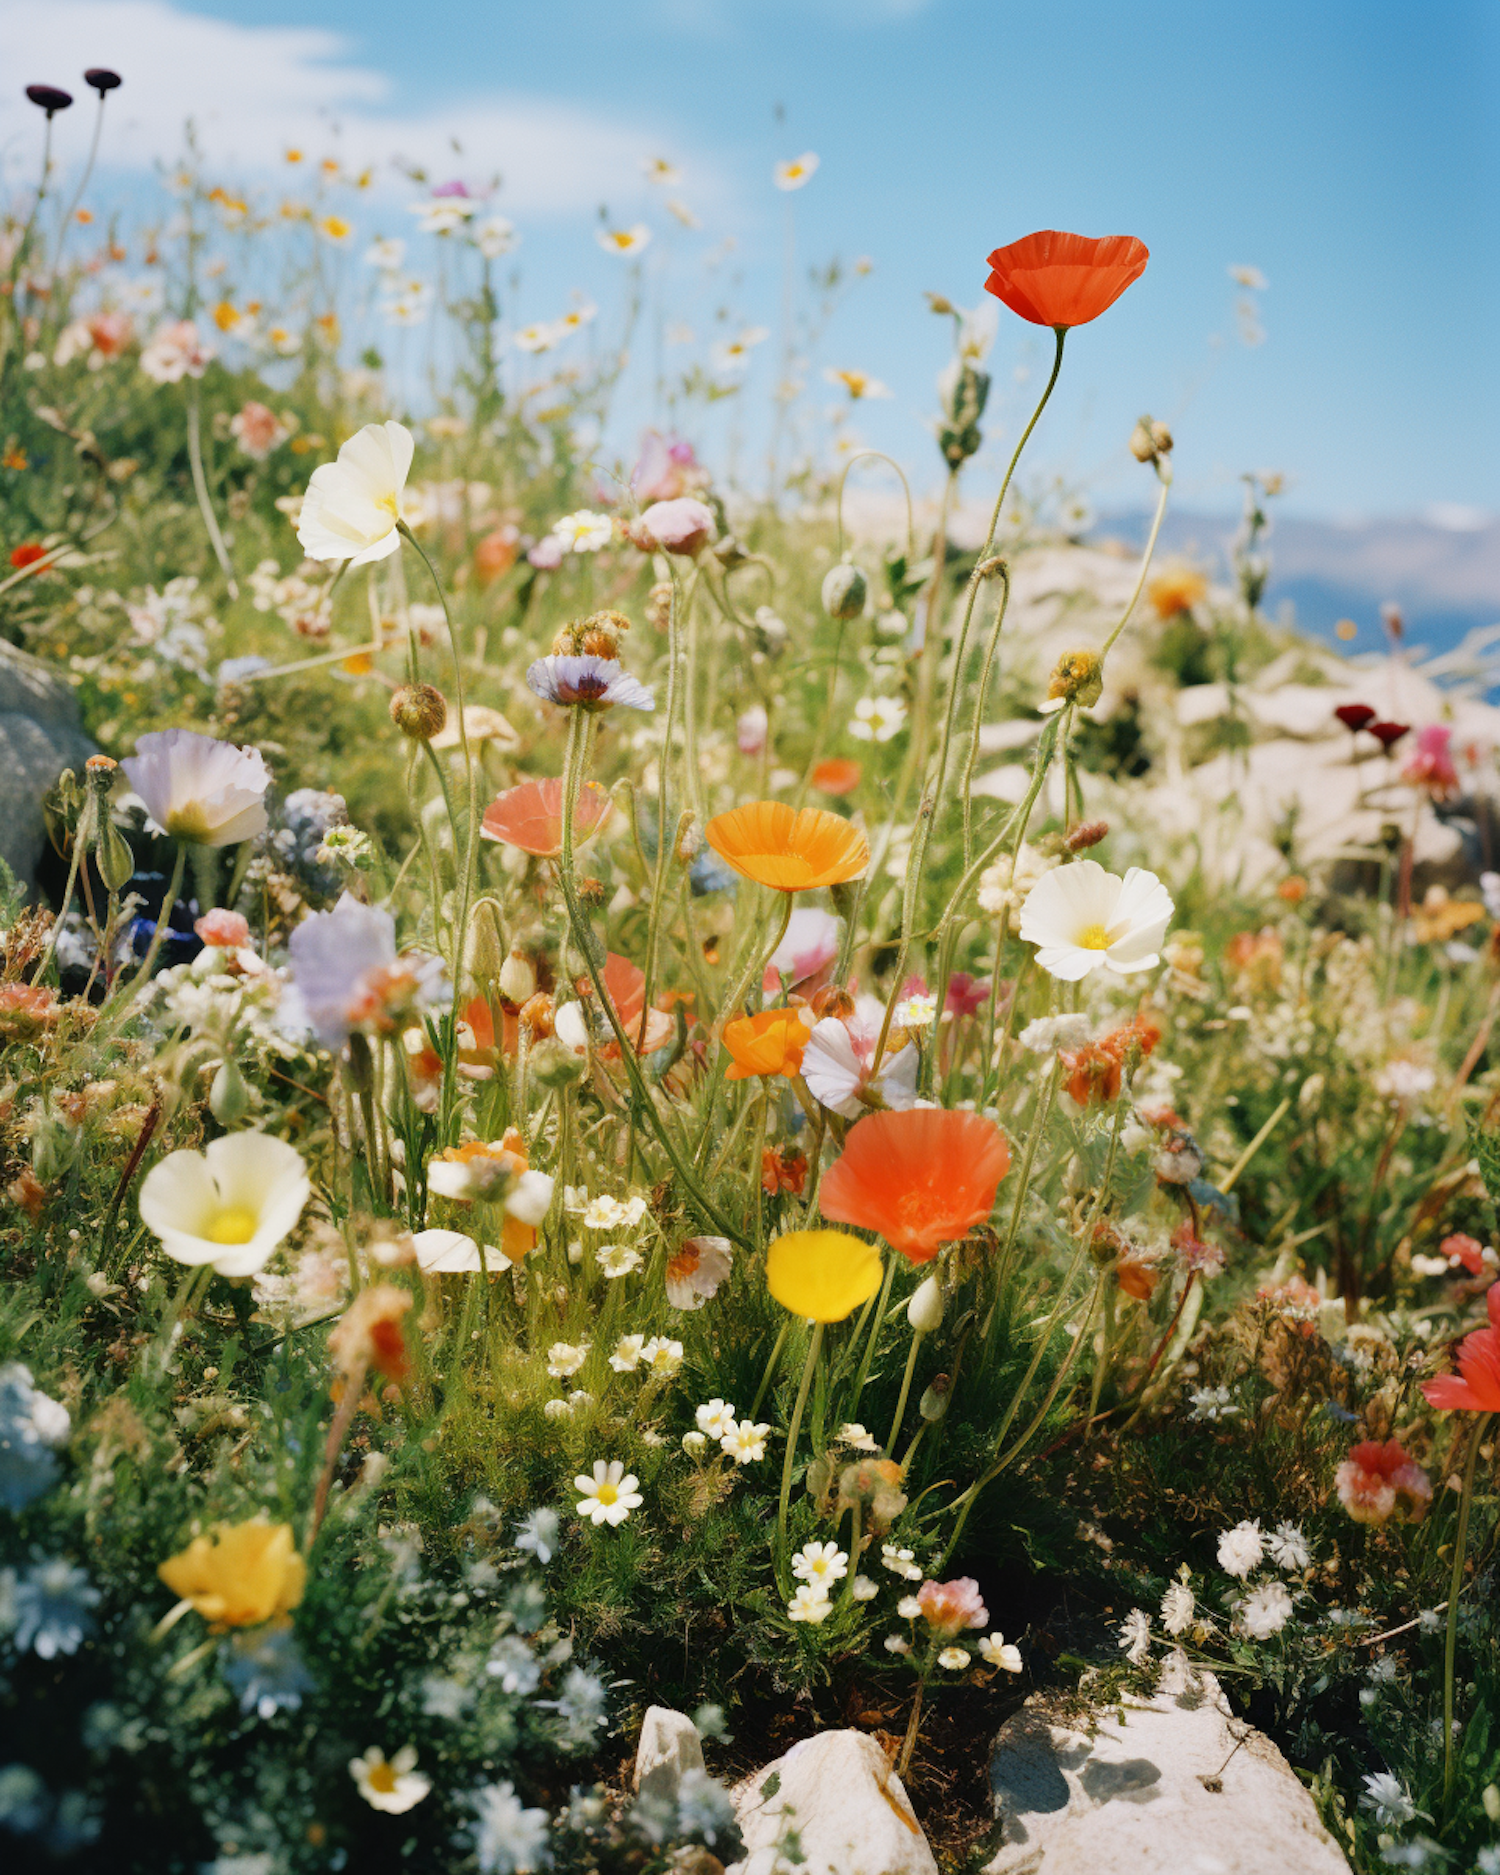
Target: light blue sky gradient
x=1348, y=148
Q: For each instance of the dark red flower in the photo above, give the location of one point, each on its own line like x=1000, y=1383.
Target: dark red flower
x=48, y=98
x=1056, y=279
x=1389, y=734
x=102, y=79
x=1355, y=716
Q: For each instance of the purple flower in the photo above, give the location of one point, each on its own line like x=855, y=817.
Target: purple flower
x=346, y=973
x=592, y=681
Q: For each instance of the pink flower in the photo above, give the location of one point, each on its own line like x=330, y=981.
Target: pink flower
x=950, y=1607
x=751, y=729
x=682, y=526
x=224, y=930
x=806, y=952
x=1377, y=1482
x=176, y=352
x=1430, y=764
x=667, y=468
x=547, y=555
x=966, y=995
x=258, y=430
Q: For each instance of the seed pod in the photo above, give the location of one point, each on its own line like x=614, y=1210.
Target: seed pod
x=112, y=856
x=844, y=591
x=934, y=1402
x=228, y=1098
x=484, y=943
x=554, y=1064
x=419, y=711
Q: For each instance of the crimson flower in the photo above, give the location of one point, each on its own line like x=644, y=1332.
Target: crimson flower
x=1058, y=280
x=1475, y=1388
x=1355, y=716
x=1389, y=734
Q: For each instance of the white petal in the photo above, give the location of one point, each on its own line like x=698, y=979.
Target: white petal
x=178, y=1195
x=450, y=1252
x=1068, y=962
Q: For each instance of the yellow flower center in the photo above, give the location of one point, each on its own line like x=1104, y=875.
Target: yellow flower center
x=607, y=1494
x=388, y=502
x=1093, y=937
x=382, y=1776
x=236, y=1225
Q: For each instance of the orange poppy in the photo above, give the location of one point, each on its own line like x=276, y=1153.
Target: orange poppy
x=1056, y=279
x=838, y=775
x=770, y=1043
x=625, y=986
x=531, y=816
x=792, y=849
x=921, y=1178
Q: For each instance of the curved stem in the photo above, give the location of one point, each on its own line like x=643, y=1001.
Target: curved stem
x=869, y=1349
x=200, y=489
x=1161, y=509
x=814, y=1347
x=880, y=456
x=765, y=1379
x=967, y=784
x=901, y=1398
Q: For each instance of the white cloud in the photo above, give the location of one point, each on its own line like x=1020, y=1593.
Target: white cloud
x=253, y=90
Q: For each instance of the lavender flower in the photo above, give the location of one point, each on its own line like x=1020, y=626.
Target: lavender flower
x=589, y=680
x=345, y=971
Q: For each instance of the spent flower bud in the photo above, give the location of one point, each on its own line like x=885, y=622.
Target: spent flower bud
x=844, y=591
x=419, y=711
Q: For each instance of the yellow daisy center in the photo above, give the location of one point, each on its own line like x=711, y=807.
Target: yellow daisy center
x=236, y=1225
x=1093, y=937
x=607, y=1494
x=382, y=1776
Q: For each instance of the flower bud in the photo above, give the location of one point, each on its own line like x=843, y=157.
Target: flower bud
x=419, y=711
x=228, y=1098
x=1078, y=677
x=517, y=978
x=554, y=1064
x=934, y=1402
x=1088, y=833
x=925, y=1309
x=484, y=943
x=113, y=857
x=659, y=605
x=844, y=591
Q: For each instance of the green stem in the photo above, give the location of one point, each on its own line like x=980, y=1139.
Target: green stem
x=200, y=489
x=765, y=1379
x=1455, y=1588
x=814, y=1347
x=901, y=1398
x=869, y=1349
x=148, y=962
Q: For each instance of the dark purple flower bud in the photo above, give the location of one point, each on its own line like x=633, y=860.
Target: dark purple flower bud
x=48, y=98
x=102, y=79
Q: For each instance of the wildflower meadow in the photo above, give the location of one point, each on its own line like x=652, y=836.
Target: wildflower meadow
x=652, y=1098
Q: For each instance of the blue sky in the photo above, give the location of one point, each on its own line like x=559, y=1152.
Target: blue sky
x=1349, y=151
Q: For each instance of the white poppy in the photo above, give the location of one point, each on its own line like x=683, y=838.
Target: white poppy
x=836, y=1068
x=352, y=506
x=451, y=1253
x=1081, y=916
x=197, y=788
x=229, y=1205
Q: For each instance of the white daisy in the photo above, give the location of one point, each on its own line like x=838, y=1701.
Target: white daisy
x=1081, y=916
x=610, y=1495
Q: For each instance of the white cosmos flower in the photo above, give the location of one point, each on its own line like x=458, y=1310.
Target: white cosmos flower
x=540, y=337
x=1081, y=916
x=495, y=236
x=584, y=532
x=386, y=254
x=229, y=1205
x=352, y=506
x=797, y=173
x=451, y=1253
x=390, y=1784
x=624, y=240
x=999, y=1652
x=197, y=788
x=610, y=1495
x=444, y=214
x=877, y=719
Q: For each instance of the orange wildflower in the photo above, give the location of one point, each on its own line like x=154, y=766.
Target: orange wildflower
x=839, y=774
x=1094, y=1071
x=767, y=1044
x=922, y=1178
x=1056, y=279
x=531, y=816
x=782, y=1171
x=790, y=849
x=369, y=1334
x=1177, y=589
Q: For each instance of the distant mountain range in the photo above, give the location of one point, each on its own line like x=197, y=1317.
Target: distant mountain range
x=1442, y=569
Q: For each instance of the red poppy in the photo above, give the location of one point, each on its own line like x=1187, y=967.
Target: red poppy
x=1355, y=716
x=1389, y=734
x=1056, y=279
x=782, y=1171
x=1475, y=1388
x=921, y=1178
x=27, y=554
x=531, y=816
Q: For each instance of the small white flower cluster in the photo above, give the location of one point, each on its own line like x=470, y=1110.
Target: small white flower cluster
x=1212, y=1404
x=743, y=1440
x=1263, y=1611
x=817, y=1566
x=659, y=1355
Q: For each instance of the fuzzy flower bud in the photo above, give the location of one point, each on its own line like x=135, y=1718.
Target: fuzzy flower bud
x=1078, y=677
x=228, y=1098
x=419, y=711
x=844, y=591
x=484, y=943
x=925, y=1309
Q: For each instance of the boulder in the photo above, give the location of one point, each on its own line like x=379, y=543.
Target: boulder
x=39, y=738
x=668, y=1747
x=1173, y=1785
x=838, y=1794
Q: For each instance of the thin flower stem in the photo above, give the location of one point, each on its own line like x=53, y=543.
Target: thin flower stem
x=852, y=1412
x=1161, y=508
x=1455, y=1589
x=913, y=1726
x=966, y=786
x=158, y=936
x=665, y=840
x=771, y=1365
x=901, y=1398
x=814, y=1347
x=200, y=489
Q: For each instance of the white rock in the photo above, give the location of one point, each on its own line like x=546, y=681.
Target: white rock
x=668, y=1747
x=1181, y=1787
x=846, y=1805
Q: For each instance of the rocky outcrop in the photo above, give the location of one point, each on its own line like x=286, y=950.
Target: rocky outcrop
x=1173, y=1785
x=838, y=1796
x=39, y=738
